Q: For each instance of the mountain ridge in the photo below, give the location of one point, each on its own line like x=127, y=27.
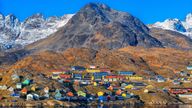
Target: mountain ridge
x=16, y=34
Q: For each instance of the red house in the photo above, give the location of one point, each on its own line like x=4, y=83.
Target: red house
x=65, y=76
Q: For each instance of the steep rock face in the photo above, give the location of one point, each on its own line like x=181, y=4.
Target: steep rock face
x=9, y=28
x=96, y=26
x=16, y=34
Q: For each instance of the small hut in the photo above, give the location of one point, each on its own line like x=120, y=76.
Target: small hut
x=26, y=82
x=24, y=91
x=29, y=97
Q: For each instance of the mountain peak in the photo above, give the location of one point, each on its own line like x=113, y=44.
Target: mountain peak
x=97, y=6
x=96, y=26
x=11, y=16
x=37, y=15
x=1, y=16
x=171, y=24
x=172, y=19
x=184, y=27
x=189, y=18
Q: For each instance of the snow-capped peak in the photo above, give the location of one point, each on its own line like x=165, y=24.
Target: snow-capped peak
x=189, y=18
x=184, y=27
x=1, y=16
x=14, y=33
x=11, y=21
x=171, y=24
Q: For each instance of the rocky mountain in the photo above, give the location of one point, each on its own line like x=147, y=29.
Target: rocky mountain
x=184, y=27
x=16, y=34
x=172, y=39
x=95, y=26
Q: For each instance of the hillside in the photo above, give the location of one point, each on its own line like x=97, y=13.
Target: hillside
x=172, y=39
x=163, y=61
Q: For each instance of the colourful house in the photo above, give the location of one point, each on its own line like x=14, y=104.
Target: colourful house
x=189, y=68
x=78, y=68
x=29, y=97
x=111, y=78
x=15, y=94
x=105, y=70
x=160, y=78
x=65, y=76
x=99, y=75
x=134, y=78
x=126, y=73
x=92, y=66
x=92, y=70
x=26, y=82
x=77, y=76
x=58, y=95
x=81, y=93
x=46, y=90
x=19, y=86
x=57, y=71
x=24, y=91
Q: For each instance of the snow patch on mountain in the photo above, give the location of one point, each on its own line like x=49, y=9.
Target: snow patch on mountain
x=14, y=34
x=184, y=27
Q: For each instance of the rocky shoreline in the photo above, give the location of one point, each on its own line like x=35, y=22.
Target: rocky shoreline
x=53, y=103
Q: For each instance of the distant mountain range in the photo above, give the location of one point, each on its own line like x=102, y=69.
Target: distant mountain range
x=184, y=27
x=94, y=26
x=16, y=34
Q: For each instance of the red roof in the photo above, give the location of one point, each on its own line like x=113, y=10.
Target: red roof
x=57, y=71
x=104, y=70
x=114, y=76
x=62, y=70
x=65, y=76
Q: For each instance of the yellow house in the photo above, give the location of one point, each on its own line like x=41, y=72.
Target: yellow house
x=129, y=86
x=92, y=70
x=55, y=76
x=94, y=84
x=33, y=88
x=134, y=78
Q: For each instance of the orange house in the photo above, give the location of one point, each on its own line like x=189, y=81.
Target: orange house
x=112, y=78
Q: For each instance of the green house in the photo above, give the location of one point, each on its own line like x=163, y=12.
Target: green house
x=26, y=82
x=80, y=93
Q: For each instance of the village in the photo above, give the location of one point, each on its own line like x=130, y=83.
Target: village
x=95, y=84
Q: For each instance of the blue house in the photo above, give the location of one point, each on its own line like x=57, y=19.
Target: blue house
x=77, y=76
x=15, y=94
x=99, y=75
x=58, y=95
x=78, y=68
x=126, y=73
x=160, y=78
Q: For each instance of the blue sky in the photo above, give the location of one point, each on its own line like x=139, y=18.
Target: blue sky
x=149, y=11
